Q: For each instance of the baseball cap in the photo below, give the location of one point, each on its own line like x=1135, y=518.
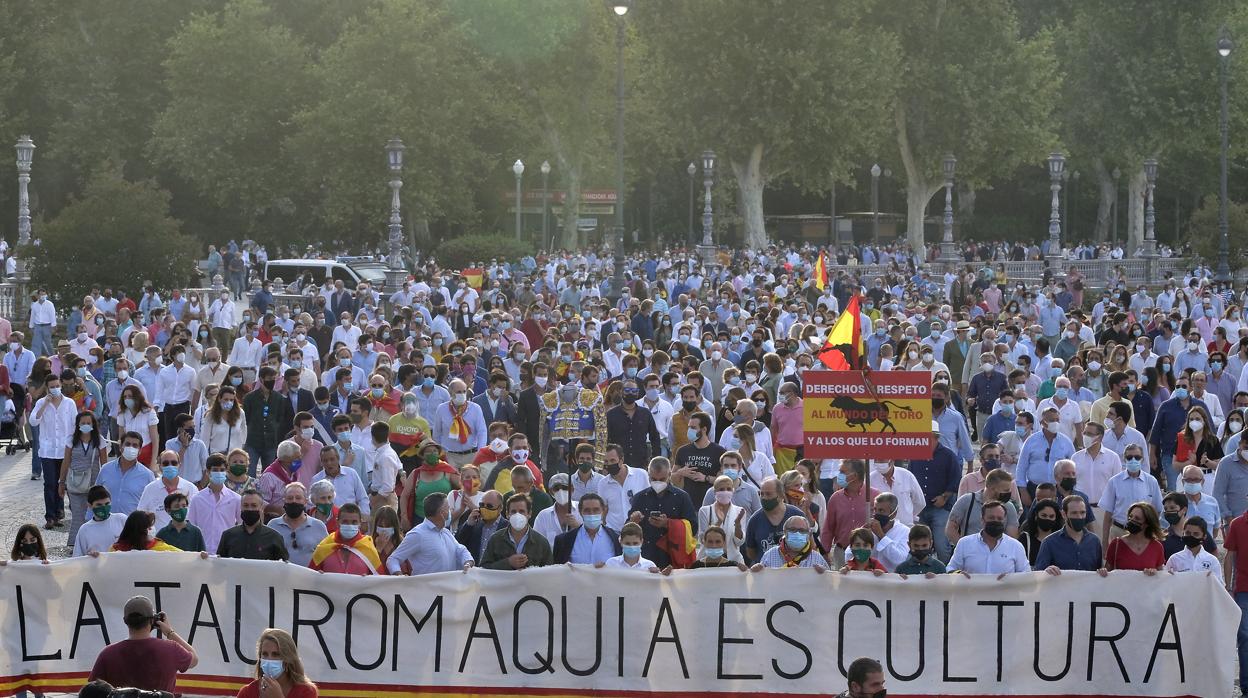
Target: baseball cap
x=559, y=480
x=139, y=606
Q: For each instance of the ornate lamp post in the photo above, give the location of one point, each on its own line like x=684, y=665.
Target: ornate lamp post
x=948, y=251
x=692, y=170
x=620, y=8
x=394, y=160
x=546, y=203
x=1150, y=217
x=1057, y=165
x=25, y=153
x=707, y=248
x=1224, y=244
x=518, y=169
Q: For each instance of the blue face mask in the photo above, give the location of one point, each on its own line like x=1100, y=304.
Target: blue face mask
x=592, y=521
x=692, y=434
x=841, y=480
x=272, y=668
x=713, y=553
x=1062, y=393
x=1021, y=431
x=619, y=346
x=216, y=478
x=632, y=551
x=1055, y=372
x=732, y=473
x=631, y=371
x=796, y=540
x=169, y=472
x=1215, y=365
x=1007, y=409
x=879, y=331
x=1134, y=464
x=1180, y=393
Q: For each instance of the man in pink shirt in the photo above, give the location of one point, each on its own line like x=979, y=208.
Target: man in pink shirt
x=786, y=424
x=848, y=508
x=216, y=507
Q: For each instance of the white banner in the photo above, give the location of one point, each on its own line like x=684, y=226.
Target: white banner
x=581, y=631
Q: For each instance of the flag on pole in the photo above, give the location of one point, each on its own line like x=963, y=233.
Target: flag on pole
x=821, y=273
x=843, y=349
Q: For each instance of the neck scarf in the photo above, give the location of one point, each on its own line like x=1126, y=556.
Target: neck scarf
x=795, y=559
x=459, y=426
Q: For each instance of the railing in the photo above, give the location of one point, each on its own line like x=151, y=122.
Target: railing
x=1097, y=273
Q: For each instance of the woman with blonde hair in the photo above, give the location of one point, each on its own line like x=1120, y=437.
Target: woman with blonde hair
x=136, y=354
x=758, y=466
x=279, y=670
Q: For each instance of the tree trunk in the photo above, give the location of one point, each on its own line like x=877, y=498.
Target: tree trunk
x=918, y=188
x=1106, y=200
x=750, y=185
x=569, y=238
x=1136, y=186
x=966, y=205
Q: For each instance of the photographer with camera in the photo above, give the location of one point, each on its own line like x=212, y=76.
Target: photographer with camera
x=143, y=661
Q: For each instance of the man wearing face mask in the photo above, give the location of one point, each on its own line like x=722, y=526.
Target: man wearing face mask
x=657, y=509
x=892, y=538
x=516, y=453
x=964, y=519
x=252, y=540
x=1040, y=452
x=124, y=477
x=170, y=481
x=266, y=410
x=496, y=403
x=1164, y=436
x=590, y=543
x=1075, y=546
x=1198, y=503
x=634, y=428
x=698, y=461
x=430, y=547
x=796, y=549
x=991, y=551
x=216, y=507
x=1125, y=489
x=562, y=517
x=459, y=426
x=985, y=388
x=176, y=386
x=901, y=484
x=300, y=533
x=518, y=546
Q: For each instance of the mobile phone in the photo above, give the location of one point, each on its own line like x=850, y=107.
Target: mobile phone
x=655, y=514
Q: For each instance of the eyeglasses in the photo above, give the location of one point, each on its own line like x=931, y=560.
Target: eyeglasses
x=168, y=463
x=489, y=507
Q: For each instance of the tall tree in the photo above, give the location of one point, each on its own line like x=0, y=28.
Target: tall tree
x=782, y=90
x=971, y=85
x=403, y=69
x=236, y=80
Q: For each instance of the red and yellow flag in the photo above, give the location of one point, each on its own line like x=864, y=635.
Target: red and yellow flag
x=474, y=276
x=821, y=273
x=843, y=349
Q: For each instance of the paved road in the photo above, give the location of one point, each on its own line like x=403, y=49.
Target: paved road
x=21, y=501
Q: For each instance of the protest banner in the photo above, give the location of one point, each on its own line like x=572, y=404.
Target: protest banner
x=884, y=415
x=563, y=631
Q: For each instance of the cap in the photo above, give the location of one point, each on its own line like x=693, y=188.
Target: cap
x=62, y=343
x=558, y=480
x=139, y=606
x=935, y=427
x=963, y=325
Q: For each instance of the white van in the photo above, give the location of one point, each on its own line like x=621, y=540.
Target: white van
x=317, y=270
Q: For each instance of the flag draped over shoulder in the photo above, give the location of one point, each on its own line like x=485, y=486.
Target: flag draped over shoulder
x=843, y=349
x=821, y=273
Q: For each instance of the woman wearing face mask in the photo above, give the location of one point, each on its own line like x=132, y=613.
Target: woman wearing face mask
x=84, y=455
x=235, y=379
x=722, y=513
x=139, y=534
x=433, y=475
x=225, y=428
x=713, y=551
x=467, y=497
x=809, y=471
x=1140, y=548
x=279, y=671
x=28, y=545
x=387, y=534
x=138, y=416
x=758, y=466
x=1044, y=521
x=1197, y=444
x=1233, y=425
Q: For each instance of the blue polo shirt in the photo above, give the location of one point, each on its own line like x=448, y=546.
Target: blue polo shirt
x=1062, y=551
x=124, y=488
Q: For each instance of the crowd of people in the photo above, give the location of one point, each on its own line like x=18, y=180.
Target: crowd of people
x=536, y=418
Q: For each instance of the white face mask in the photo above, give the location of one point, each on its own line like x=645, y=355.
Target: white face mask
x=518, y=521
x=308, y=432
x=561, y=497
x=659, y=486
x=1052, y=427
x=459, y=398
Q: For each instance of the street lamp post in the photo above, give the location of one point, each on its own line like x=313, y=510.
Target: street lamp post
x=518, y=169
x=692, y=169
x=1057, y=164
x=620, y=7
x=707, y=248
x=25, y=153
x=1117, y=175
x=546, y=203
x=1150, y=217
x=1224, y=244
x=875, y=204
x=948, y=251
x=394, y=160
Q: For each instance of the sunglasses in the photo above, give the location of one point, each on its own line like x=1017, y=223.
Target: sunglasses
x=173, y=463
x=490, y=507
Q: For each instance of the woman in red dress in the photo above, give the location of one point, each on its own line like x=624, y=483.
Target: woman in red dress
x=279, y=671
x=1141, y=548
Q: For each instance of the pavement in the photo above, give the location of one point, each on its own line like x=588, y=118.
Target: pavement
x=21, y=502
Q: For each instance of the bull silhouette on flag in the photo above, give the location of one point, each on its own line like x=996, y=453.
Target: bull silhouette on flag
x=862, y=414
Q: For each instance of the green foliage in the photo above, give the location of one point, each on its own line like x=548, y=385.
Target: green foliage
x=1205, y=235
x=118, y=234
x=470, y=250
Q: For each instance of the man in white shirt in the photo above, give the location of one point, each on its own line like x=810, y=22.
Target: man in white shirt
x=170, y=481
x=42, y=322
x=1193, y=557
x=660, y=409
x=248, y=353
x=901, y=483
x=386, y=468
x=1069, y=415
x=222, y=319
x=1095, y=464
x=347, y=331
x=619, y=486
x=82, y=344
x=892, y=538
x=55, y=415
x=630, y=559
x=990, y=551
x=212, y=371
x=348, y=487
x=98, y=533
x=177, y=385
x=1118, y=434
x=430, y=547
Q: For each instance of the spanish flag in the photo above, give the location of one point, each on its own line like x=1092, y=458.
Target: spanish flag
x=474, y=276
x=843, y=349
x=821, y=273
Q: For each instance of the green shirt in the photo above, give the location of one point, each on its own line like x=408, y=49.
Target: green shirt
x=930, y=564
x=189, y=539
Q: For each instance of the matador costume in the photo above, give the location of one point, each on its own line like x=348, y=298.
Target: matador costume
x=569, y=420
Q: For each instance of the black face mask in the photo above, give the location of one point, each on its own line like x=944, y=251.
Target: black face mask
x=630, y=398
x=250, y=518
x=883, y=519
x=1188, y=541
x=1134, y=527
x=613, y=469
x=994, y=529
x=938, y=403
x=689, y=405
x=293, y=510
x=1003, y=497
x=30, y=549
x=1172, y=517
x=920, y=553
x=268, y=385
x=757, y=342
x=1067, y=484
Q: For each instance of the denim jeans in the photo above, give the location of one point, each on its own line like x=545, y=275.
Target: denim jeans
x=1241, y=639
x=263, y=457
x=1167, y=468
x=36, y=467
x=41, y=343
x=53, y=503
x=936, y=519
